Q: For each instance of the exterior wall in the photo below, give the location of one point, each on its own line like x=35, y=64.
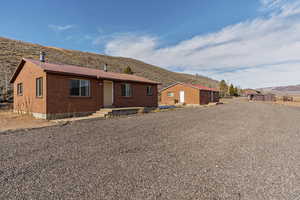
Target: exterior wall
x=209, y=96
x=139, y=96
x=59, y=100
x=269, y=97
x=258, y=97
x=28, y=102
x=263, y=97
x=205, y=97
x=192, y=95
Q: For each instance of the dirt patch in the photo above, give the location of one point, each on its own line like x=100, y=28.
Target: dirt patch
x=12, y=121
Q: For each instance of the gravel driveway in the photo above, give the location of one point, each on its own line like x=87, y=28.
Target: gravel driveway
x=234, y=151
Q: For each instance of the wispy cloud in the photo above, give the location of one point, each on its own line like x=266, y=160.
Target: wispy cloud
x=254, y=53
x=59, y=28
x=271, y=4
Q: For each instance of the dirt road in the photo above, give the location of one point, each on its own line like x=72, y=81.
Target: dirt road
x=235, y=151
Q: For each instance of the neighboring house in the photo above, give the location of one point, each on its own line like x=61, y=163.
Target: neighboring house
x=263, y=97
x=51, y=91
x=192, y=94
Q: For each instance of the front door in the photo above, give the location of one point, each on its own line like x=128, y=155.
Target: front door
x=108, y=91
x=181, y=96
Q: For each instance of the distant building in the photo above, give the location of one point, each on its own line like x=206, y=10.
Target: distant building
x=255, y=95
x=191, y=94
x=263, y=97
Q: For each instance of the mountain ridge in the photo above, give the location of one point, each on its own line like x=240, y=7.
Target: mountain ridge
x=290, y=89
x=12, y=51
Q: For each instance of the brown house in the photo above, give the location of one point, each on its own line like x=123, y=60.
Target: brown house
x=55, y=91
x=191, y=94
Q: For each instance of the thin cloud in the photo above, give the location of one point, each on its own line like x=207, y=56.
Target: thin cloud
x=271, y=4
x=59, y=28
x=252, y=53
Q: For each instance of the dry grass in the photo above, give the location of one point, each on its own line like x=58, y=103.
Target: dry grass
x=12, y=121
x=296, y=98
x=295, y=102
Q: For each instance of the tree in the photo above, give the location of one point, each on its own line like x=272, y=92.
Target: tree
x=236, y=92
x=231, y=90
x=223, y=88
x=128, y=70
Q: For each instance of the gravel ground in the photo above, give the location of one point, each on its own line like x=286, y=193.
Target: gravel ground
x=234, y=151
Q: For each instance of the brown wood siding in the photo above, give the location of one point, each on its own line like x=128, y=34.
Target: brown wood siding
x=205, y=97
x=139, y=96
x=28, y=102
x=60, y=101
x=208, y=96
x=192, y=95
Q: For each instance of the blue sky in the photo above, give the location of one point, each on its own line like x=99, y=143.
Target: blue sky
x=249, y=43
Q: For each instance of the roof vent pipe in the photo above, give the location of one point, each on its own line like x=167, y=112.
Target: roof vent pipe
x=105, y=67
x=42, y=56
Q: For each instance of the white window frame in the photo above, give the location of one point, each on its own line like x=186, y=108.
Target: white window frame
x=89, y=87
x=39, y=87
x=149, y=88
x=128, y=90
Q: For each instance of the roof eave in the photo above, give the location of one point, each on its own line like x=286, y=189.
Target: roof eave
x=17, y=71
x=70, y=74
x=169, y=86
x=128, y=80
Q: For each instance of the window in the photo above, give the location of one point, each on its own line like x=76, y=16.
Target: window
x=80, y=88
x=170, y=94
x=20, y=89
x=149, y=90
x=126, y=90
x=39, y=87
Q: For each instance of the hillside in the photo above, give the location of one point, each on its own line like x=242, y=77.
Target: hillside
x=291, y=89
x=11, y=52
